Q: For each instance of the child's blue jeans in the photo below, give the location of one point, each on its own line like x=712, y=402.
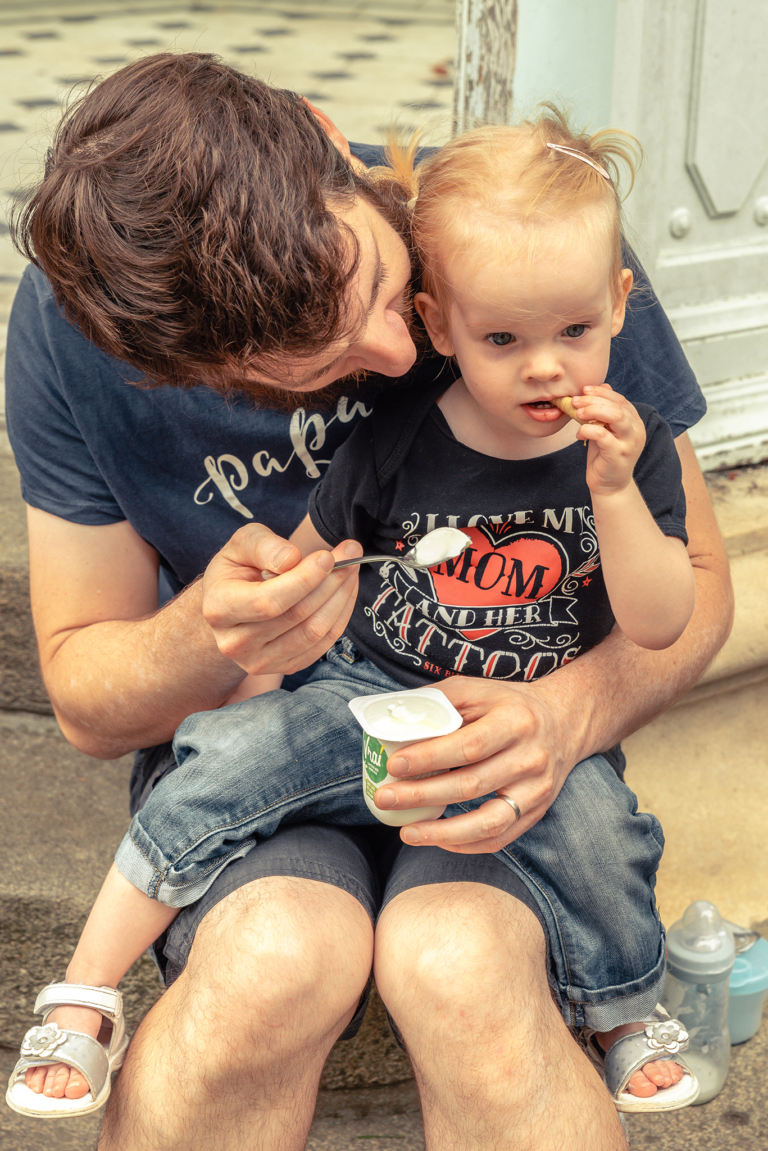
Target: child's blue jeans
x=289, y=757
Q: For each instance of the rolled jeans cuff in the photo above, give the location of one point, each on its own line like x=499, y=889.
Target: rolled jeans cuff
x=624, y=1009
x=157, y=881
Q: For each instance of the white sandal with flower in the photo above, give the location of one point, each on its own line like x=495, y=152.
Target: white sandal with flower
x=661, y=1039
x=49, y=1043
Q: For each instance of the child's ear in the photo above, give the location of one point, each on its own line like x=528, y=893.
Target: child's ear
x=626, y=280
x=434, y=321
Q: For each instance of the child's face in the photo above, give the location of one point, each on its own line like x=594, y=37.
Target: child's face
x=526, y=332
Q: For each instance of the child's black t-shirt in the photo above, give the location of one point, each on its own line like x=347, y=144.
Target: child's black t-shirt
x=528, y=595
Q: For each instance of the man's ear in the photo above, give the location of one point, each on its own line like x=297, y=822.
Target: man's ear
x=332, y=132
x=626, y=280
x=434, y=321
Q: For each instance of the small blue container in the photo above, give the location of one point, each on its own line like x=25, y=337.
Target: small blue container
x=748, y=987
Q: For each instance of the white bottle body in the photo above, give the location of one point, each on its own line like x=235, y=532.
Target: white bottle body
x=702, y=1008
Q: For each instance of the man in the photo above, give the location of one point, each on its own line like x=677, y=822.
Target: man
x=203, y=229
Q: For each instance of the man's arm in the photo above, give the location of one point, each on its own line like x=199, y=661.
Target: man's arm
x=123, y=675
x=525, y=739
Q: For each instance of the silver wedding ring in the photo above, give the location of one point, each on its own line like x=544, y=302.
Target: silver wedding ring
x=512, y=804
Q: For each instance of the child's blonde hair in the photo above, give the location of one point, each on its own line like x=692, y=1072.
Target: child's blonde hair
x=508, y=181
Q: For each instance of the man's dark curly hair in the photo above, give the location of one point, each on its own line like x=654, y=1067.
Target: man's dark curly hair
x=188, y=222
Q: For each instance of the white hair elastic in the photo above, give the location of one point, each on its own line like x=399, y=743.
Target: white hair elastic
x=580, y=156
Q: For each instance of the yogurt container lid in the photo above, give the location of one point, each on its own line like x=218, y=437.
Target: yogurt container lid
x=406, y=716
x=750, y=971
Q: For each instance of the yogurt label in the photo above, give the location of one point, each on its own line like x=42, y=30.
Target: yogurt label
x=374, y=763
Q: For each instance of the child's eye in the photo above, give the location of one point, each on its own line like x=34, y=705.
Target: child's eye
x=500, y=339
x=573, y=331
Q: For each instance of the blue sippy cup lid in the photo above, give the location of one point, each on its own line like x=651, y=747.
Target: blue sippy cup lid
x=699, y=946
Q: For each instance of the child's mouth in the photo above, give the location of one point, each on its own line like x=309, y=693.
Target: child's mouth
x=543, y=411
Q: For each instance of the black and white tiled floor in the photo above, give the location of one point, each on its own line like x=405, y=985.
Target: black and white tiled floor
x=368, y=63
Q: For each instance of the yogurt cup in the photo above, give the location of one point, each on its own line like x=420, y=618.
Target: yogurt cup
x=394, y=720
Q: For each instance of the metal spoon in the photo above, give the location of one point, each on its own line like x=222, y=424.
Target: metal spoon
x=410, y=559
x=459, y=542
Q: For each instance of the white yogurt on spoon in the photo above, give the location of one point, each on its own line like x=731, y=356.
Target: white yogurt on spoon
x=440, y=545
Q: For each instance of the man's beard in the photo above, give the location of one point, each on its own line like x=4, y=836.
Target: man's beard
x=290, y=400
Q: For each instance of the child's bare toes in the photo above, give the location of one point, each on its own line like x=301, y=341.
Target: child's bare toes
x=639, y=1084
x=77, y=1086
x=60, y=1081
x=56, y=1078
x=663, y=1073
x=35, y=1079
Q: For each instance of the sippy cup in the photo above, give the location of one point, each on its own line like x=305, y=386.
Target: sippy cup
x=700, y=955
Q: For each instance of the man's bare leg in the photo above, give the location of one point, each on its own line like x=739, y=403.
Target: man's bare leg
x=461, y=967
x=231, y=1056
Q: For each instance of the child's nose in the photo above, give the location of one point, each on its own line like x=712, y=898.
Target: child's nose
x=542, y=365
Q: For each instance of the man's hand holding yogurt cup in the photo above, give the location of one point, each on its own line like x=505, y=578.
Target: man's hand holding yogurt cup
x=516, y=739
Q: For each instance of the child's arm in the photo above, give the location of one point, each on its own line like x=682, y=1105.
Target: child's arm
x=648, y=575
x=307, y=540
x=253, y=685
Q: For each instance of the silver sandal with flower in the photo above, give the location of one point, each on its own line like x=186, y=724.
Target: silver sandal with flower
x=49, y=1043
x=662, y=1039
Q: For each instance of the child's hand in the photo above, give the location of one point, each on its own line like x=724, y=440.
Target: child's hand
x=616, y=439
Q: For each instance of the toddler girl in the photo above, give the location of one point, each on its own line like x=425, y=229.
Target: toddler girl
x=575, y=523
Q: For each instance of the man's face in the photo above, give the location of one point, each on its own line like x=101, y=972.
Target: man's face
x=378, y=300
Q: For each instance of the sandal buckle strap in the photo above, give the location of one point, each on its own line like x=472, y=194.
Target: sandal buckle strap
x=104, y=999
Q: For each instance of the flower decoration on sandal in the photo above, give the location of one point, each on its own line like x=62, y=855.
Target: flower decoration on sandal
x=668, y=1036
x=40, y=1042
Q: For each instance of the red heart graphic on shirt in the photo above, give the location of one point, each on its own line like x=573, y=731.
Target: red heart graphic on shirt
x=499, y=569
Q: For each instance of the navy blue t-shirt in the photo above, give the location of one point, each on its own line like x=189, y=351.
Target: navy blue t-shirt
x=187, y=468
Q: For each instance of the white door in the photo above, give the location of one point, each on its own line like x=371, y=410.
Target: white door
x=691, y=82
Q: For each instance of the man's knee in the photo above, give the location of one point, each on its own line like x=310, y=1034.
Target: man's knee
x=459, y=952
x=280, y=953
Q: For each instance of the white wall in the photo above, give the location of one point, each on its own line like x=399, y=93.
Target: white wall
x=565, y=53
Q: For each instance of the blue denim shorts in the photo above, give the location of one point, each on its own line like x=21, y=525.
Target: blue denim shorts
x=248, y=773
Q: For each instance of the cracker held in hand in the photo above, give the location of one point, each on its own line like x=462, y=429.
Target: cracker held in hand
x=565, y=404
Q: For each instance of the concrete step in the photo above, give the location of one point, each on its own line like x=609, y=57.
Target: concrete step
x=701, y=768
x=62, y=815
x=20, y=684
x=740, y=500
x=737, y=1120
